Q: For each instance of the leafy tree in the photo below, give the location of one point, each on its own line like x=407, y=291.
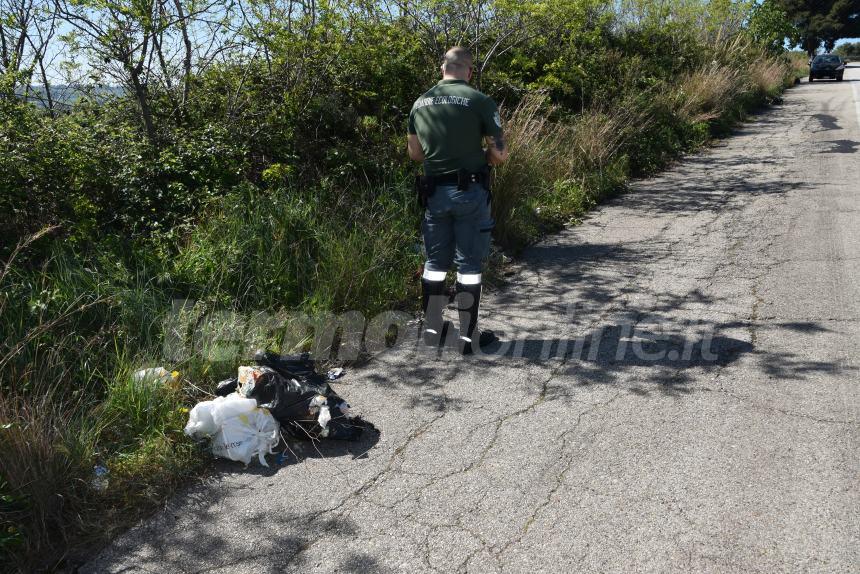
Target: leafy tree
x=770, y=26
x=27, y=29
x=145, y=46
x=849, y=50
x=823, y=21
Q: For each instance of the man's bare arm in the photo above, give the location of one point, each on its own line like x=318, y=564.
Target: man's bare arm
x=413, y=147
x=497, y=150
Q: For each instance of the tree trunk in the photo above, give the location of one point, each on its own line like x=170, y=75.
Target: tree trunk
x=47, y=87
x=186, y=62
x=142, y=97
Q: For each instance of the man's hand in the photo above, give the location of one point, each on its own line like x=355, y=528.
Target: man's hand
x=497, y=150
x=413, y=147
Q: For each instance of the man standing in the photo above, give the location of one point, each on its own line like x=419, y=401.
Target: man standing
x=448, y=126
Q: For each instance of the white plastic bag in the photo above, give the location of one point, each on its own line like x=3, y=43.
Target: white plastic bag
x=232, y=406
x=245, y=435
x=200, y=421
x=154, y=375
x=206, y=418
x=239, y=429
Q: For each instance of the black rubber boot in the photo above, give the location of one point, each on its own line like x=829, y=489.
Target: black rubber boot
x=433, y=301
x=468, y=302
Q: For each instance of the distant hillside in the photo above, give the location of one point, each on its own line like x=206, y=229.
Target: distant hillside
x=67, y=95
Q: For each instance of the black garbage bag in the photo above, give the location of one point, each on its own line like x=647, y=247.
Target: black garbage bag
x=299, y=367
x=227, y=387
x=295, y=394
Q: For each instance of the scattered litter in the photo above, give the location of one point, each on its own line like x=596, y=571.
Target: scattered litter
x=100, y=480
x=206, y=417
x=248, y=379
x=302, y=400
x=238, y=428
x=334, y=374
x=344, y=408
x=280, y=392
x=323, y=420
x=316, y=403
x=158, y=375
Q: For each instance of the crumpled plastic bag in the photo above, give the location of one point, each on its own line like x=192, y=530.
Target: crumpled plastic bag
x=206, y=418
x=238, y=428
x=299, y=398
x=243, y=436
x=154, y=375
x=227, y=387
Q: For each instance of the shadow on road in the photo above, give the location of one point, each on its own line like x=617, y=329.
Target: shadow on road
x=257, y=541
x=827, y=121
x=675, y=334
x=294, y=451
x=840, y=146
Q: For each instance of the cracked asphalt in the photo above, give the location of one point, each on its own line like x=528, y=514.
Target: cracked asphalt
x=677, y=392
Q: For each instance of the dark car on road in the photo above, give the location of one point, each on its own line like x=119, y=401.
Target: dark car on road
x=826, y=66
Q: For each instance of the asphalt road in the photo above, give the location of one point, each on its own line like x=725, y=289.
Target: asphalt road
x=703, y=416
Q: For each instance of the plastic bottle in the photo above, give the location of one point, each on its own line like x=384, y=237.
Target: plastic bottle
x=100, y=479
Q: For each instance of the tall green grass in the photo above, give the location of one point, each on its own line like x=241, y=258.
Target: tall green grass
x=321, y=250
x=73, y=330
x=558, y=169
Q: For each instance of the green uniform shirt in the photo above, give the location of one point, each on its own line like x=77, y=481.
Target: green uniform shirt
x=451, y=120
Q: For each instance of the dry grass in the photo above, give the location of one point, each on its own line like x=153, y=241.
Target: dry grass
x=703, y=95
x=538, y=157
x=767, y=75
x=560, y=167
x=798, y=63
x=600, y=133
x=44, y=466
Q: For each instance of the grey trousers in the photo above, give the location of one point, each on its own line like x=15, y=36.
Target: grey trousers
x=457, y=226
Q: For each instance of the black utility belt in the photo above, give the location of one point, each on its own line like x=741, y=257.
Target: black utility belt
x=462, y=179
x=425, y=185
